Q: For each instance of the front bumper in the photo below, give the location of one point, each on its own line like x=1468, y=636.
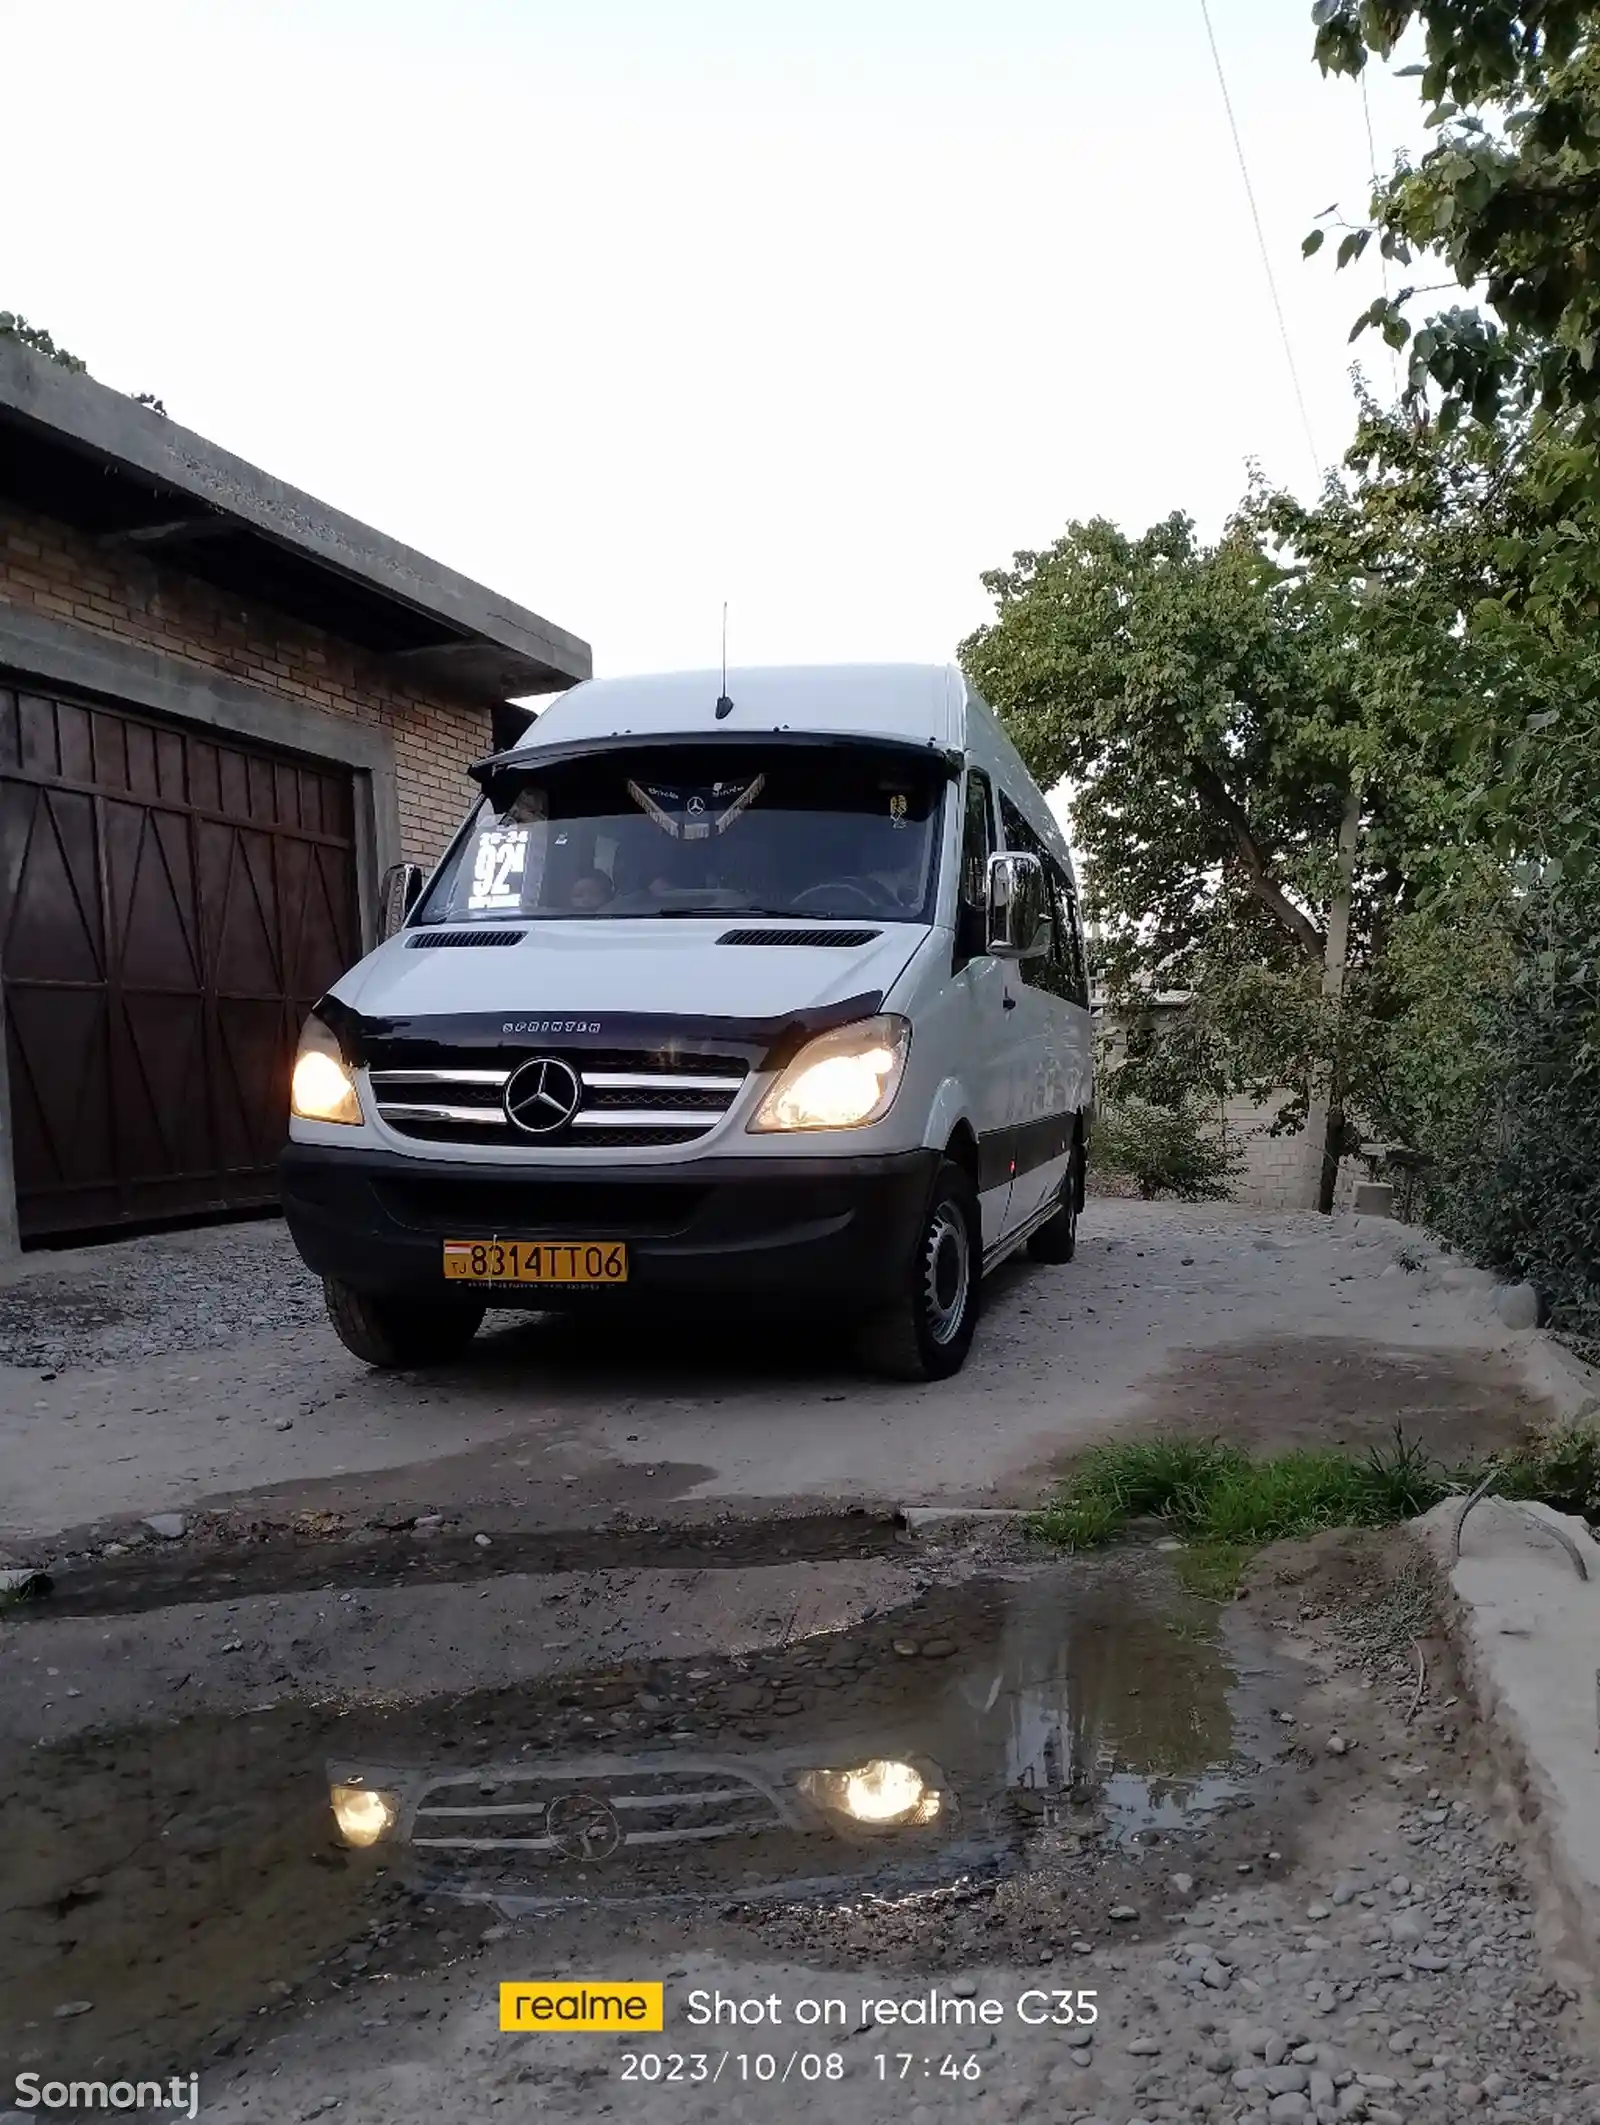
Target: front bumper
x=796, y=1230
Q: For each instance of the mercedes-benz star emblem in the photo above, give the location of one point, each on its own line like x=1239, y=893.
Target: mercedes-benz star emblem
x=542, y=1096
x=583, y=1826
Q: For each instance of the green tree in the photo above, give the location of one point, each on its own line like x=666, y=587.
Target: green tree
x=1506, y=199
x=1246, y=823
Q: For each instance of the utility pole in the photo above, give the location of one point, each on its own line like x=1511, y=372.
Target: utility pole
x=1335, y=959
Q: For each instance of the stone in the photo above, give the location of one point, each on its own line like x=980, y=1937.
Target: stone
x=71, y=2008
x=1337, y=1745
x=481, y=1541
x=1144, y=2047
x=1517, y=1306
x=1283, y=2109
x=1122, y=1913
x=171, y=1527
x=1181, y=1884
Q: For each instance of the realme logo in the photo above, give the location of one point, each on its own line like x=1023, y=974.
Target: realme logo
x=579, y=2007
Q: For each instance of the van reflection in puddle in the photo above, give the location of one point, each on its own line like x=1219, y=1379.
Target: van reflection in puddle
x=1056, y=1715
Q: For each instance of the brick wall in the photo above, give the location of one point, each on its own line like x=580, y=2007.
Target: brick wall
x=54, y=569
x=1278, y=1172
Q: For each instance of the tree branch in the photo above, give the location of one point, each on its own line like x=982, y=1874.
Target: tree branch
x=1212, y=792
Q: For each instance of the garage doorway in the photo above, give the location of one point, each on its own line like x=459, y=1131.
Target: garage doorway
x=171, y=905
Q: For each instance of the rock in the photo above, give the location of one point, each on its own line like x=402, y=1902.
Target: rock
x=1181, y=1884
x=1321, y=2090
x=1469, y=2095
x=938, y=1649
x=69, y=2008
x=1284, y=2108
x=1517, y=1306
x=481, y=1541
x=23, y=1583
x=1336, y=1745
x=1144, y=2047
x=1317, y=1911
x=1286, y=2080
x=907, y=1648
x=171, y=1527
x=284, y=1424
x=1405, y=1926
x=1122, y=1913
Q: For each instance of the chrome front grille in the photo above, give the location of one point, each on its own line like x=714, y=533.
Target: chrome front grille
x=587, y=1819
x=624, y=1100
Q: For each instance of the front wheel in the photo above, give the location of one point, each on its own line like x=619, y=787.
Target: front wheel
x=390, y=1332
x=926, y=1332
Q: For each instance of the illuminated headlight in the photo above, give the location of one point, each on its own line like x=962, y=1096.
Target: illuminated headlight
x=881, y=1793
x=362, y=1813
x=840, y=1080
x=323, y=1088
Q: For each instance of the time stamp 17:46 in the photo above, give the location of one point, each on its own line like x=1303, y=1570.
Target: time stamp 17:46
x=776, y=2067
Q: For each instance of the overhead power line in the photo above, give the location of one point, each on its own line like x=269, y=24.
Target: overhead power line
x=1261, y=240
x=1383, y=263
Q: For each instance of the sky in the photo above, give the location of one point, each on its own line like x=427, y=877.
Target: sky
x=627, y=310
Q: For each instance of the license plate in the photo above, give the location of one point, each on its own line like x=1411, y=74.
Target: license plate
x=536, y=1261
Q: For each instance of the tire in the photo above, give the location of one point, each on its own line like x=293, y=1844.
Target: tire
x=1057, y=1240
x=390, y=1332
x=926, y=1332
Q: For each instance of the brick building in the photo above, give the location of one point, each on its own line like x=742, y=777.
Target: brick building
x=224, y=710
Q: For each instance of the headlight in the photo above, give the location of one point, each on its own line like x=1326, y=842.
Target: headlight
x=323, y=1088
x=363, y=1813
x=840, y=1080
x=881, y=1792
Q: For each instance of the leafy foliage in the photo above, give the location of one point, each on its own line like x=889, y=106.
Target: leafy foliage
x=1164, y=1150
x=1508, y=197
x=18, y=328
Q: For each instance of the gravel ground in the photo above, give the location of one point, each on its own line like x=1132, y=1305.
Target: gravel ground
x=145, y=1297
x=1388, y=1972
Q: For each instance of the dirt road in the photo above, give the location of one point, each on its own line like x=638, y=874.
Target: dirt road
x=178, y=1372
x=635, y=1677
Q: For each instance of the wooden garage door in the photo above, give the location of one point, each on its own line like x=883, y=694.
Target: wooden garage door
x=171, y=905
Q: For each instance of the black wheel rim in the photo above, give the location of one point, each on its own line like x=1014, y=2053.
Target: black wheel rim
x=946, y=1274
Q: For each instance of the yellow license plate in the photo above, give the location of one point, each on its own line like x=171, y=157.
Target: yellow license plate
x=536, y=1261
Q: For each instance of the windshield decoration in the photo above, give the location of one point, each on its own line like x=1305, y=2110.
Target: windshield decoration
x=696, y=814
x=498, y=864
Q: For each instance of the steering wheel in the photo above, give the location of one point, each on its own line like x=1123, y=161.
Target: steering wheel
x=837, y=885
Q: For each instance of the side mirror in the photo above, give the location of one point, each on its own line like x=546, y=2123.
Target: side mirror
x=397, y=896
x=1019, y=922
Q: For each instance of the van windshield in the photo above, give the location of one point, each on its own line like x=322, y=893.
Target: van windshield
x=802, y=831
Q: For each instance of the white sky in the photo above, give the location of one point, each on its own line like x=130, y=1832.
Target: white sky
x=628, y=308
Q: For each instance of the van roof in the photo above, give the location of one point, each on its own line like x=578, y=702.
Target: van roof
x=923, y=703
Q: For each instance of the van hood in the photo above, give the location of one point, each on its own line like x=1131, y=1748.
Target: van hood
x=652, y=967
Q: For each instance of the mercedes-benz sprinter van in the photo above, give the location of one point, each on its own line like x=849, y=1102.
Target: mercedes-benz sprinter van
x=763, y=994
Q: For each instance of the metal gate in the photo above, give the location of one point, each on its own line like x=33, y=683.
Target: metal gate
x=171, y=905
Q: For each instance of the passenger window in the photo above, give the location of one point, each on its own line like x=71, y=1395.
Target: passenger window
x=1063, y=971
x=1069, y=927
x=977, y=842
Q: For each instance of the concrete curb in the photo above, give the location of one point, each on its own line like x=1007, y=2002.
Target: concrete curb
x=1546, y=1364
x=1526, y=1632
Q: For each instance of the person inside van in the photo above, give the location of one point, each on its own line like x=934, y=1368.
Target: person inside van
x=589, y=891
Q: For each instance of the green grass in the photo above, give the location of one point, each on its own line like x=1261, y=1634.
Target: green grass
x=1226, y=1505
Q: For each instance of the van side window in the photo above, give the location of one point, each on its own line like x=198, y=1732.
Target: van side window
x=977, y=844
x=1069, y=927
x=1063, y=970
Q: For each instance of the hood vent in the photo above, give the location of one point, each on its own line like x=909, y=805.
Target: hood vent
x=432, y=940
x=837, y=938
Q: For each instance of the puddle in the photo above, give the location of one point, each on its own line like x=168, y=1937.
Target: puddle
x=186, y=1877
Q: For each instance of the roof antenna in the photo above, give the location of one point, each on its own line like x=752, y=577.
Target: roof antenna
x=724, y=705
